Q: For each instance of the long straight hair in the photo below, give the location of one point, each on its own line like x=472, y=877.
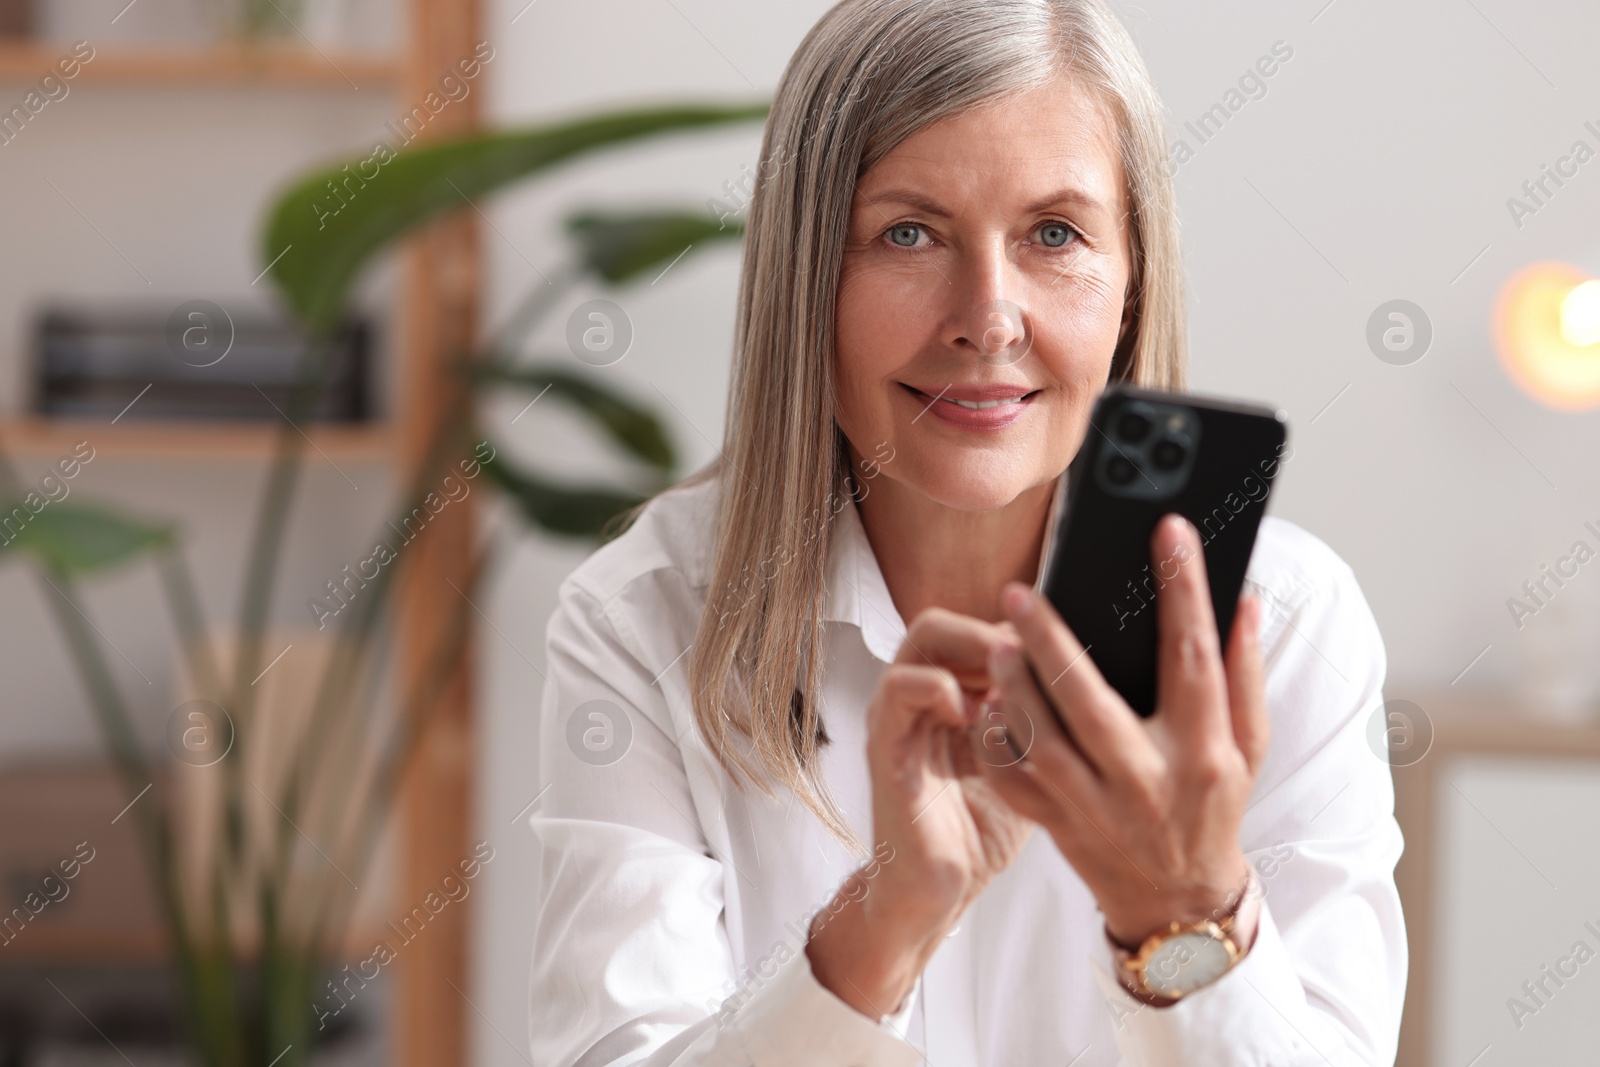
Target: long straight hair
x=867, y=76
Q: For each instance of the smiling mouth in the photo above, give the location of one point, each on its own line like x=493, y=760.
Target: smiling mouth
x=971, y=405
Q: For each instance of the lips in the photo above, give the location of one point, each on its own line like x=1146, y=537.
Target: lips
x=976, y=407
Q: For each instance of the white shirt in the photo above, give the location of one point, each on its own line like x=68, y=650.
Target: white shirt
x=673, y=908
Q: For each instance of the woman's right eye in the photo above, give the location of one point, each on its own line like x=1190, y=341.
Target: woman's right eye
x=904, y=234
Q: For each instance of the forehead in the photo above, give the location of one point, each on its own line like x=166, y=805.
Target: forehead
x=1019, y=147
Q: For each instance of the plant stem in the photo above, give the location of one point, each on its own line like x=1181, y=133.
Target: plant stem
x=344, y=666
x=214, y=1019
x=356, y=634
x=527, y=314
x=417, y=714
x=183, y=597
x=206, y=679
x=264, y=556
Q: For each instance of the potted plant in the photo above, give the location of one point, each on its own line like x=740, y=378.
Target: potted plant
x=249, y=1002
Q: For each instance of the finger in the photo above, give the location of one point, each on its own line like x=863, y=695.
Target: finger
x=1029, y=722
x=1191, y=685
x=911, y=696
x=1247, y=700
x=1099, y=720
x=1072, y=802
x=960, y=643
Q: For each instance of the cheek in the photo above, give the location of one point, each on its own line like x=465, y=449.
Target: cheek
x=1083, y=308
x=883, y=312
x=1075, y=323
x=880, y=325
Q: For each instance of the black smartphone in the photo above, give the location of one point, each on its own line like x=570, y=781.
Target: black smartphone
x=1147, y=453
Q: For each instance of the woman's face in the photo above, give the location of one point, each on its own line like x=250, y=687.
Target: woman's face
x=987, y=260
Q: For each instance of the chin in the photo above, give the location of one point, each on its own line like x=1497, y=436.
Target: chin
x=974, y=483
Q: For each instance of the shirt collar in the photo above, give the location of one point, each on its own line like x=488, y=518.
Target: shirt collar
x=857, y=593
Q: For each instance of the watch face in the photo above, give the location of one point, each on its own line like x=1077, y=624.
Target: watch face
x=1185, y=962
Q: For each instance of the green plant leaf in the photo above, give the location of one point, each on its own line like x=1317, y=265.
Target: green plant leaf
x=80, y=538
x=620, y=247
x=324, y=228
x=581, y=511
x=631, y=425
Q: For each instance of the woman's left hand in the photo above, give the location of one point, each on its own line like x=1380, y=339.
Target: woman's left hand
x=1146, y=811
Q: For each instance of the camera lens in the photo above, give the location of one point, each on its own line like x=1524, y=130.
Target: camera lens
x=1168, y=453
x=1133, y=427
x=1120, y=470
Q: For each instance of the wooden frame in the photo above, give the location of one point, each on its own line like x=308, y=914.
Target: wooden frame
x=1463, y=725
x=440, y=299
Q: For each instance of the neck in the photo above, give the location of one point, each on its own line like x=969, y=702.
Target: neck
x=933, y=555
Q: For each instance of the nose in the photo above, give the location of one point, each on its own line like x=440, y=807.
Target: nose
x=984, y=319
x=1000, y=331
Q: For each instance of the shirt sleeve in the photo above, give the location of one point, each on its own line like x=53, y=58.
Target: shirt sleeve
x=631, y=958
x=1324, y=981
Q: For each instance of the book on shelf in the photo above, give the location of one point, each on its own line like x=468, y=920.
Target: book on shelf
x=195, y=362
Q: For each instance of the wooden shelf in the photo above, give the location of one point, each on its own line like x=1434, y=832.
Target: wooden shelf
x=196, y=441
x=217, y=65
x=1502, y=722
x=53, y=947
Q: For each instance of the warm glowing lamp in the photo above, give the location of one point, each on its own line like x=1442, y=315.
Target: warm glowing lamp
x=1547, y=330
x=1580, y=314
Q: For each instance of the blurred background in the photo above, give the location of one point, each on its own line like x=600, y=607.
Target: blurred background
x=1392, y=226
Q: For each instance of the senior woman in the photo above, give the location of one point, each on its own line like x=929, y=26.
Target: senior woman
x=774, y=828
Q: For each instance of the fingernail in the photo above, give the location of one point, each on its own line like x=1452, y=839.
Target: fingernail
x=1002, y=656
x=1018, y=601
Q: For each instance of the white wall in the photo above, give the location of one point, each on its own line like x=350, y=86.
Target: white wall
x=1376, y=167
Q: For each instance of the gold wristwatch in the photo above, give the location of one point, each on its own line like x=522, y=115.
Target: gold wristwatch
x=1172, y=963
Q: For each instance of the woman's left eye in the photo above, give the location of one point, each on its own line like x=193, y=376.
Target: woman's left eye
x=1055, y=234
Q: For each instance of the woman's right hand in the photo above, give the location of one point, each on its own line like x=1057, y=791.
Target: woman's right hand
x=939, y=830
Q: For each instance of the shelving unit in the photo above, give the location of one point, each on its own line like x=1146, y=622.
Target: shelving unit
x=436, y=315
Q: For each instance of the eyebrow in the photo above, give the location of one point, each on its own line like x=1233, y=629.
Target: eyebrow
x=933, y=207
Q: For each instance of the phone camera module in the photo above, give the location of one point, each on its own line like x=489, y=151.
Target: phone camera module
x=1121, y=471
x=1133, y=426
x=1169, y=453
x=1145, y=447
